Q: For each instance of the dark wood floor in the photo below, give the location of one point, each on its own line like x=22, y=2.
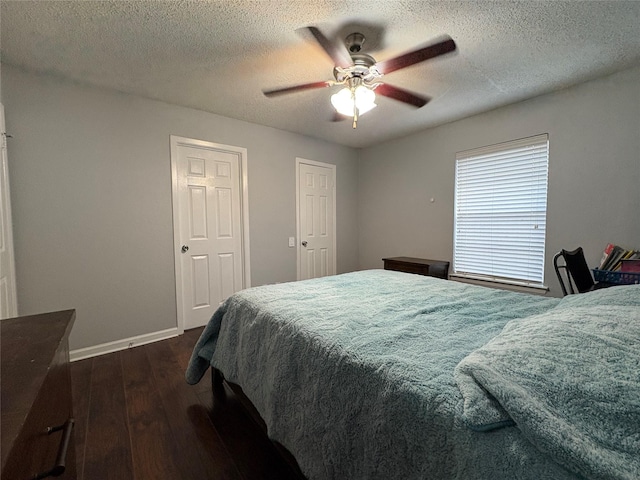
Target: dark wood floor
x=136, y=418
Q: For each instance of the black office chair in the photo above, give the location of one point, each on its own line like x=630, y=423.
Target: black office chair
x=576, y=272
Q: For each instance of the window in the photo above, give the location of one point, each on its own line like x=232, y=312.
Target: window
x=501, y=210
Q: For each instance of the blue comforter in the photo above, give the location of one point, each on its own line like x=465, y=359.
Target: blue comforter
x=354, y=374
x=569, y=379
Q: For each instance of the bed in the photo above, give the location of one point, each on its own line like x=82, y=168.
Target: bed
x=385, y=375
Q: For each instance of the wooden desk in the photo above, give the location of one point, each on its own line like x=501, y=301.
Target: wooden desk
x=36, y=395
x=421, y=266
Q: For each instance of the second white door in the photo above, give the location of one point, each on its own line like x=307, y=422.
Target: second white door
x=209, y=227
x=316, y=219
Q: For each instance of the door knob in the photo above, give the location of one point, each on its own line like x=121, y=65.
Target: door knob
x=304, y=243
x=185, y=248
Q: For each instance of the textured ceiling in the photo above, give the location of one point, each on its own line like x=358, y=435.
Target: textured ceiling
x=217, y=56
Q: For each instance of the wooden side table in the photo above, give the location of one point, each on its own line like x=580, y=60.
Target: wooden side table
x=420, y=266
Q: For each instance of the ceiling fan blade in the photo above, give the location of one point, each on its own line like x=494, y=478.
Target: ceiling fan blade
x=296, y=88
x=401, y=95
x=416, y=56
x=337, y=52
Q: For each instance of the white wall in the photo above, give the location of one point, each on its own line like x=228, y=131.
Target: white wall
x=91, y=196
x=594, y=174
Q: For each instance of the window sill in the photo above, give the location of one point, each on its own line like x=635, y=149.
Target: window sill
x=504, y=284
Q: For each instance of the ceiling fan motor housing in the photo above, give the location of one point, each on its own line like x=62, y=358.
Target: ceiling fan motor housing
x=363, y=65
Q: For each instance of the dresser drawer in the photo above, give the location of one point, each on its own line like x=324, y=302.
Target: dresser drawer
x=407, y=267
x=420, y=266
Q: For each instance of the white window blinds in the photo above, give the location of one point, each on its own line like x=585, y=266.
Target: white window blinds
x=500, y=211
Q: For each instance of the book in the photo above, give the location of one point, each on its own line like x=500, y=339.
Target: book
x=626, y=255
x=630, y=266
x=614, y=256
x=607, y=251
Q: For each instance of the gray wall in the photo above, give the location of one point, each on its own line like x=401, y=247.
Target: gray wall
x=91, y=191
x=594, y=174
x=91, y=198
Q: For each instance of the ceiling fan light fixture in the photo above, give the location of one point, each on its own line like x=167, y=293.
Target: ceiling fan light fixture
x=364, y=99
x=343, y=102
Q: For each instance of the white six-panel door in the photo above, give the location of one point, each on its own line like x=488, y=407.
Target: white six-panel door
x=316, y=219
x=8, y=301
x=208, y=206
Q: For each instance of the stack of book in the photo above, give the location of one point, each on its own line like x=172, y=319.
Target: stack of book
x=614, y=257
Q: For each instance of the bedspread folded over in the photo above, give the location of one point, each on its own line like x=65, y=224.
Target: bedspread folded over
x=569, y=379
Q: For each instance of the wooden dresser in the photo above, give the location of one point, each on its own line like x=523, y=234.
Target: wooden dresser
x=421, y=266
x=36, y=410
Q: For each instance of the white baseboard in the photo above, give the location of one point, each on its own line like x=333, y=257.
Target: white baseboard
x=110, y=347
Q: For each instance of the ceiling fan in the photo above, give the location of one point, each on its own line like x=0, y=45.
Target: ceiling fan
x=361, y=74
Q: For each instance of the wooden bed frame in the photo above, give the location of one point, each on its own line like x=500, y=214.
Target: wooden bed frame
x=220, y=394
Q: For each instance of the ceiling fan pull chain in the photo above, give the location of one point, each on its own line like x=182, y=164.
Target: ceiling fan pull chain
x=355, y=108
